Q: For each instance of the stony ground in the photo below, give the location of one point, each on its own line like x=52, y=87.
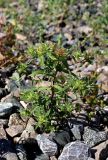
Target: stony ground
x=82, y=26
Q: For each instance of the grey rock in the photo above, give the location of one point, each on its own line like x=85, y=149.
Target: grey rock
x=105, y=109
x=42, y=157
x=14, y=130
x=5, y=109
x=76, y=130
x=6, y=151
x=75, y=151
x=21, y=153
x=10, y=156
x=12, y=85
x=90, y=158
x=92, y=137
x=48, y=147
x=61, y=137
x=4, y=122
x=14, y=101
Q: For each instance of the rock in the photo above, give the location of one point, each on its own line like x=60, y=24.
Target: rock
x=3, y=92
x=21, y=153
x=10, y=156
x=77, y=130
x=7, y=71
x=104, y=70
x=61, y=137
x=14, y=130
x=106, y=109
x=12, y=85
x=92, y=137
x=15, y=119
x=90, y=68
x=6, y=150
x=29, y=131
x=42, y=157
x=2, y=133
x=84, y=29
x=53, y=158
x=4, y=122
x=101, y=151
x=5, y=109
x=48, y=147
x=13, y=100
x=75, y=151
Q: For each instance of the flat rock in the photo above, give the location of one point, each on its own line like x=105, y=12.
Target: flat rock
x=75, y=151
x=14, y=130
x=92, y=137
x=48, y=147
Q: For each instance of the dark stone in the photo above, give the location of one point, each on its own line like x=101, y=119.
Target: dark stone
x=3, y=92
x=61, y=138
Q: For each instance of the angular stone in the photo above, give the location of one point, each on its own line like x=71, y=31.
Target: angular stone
x=48, y=147
x=76, y=130
x=14, y=101
x=15, y=119
x=75, y=151
x=5, y=109
x=61, y=137
x=29, y=131
x=92, y=137
x=14, y=130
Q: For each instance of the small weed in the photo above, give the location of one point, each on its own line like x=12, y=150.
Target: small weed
x=49, y=101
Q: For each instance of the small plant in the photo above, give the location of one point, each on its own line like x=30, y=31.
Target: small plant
x=49, y=100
